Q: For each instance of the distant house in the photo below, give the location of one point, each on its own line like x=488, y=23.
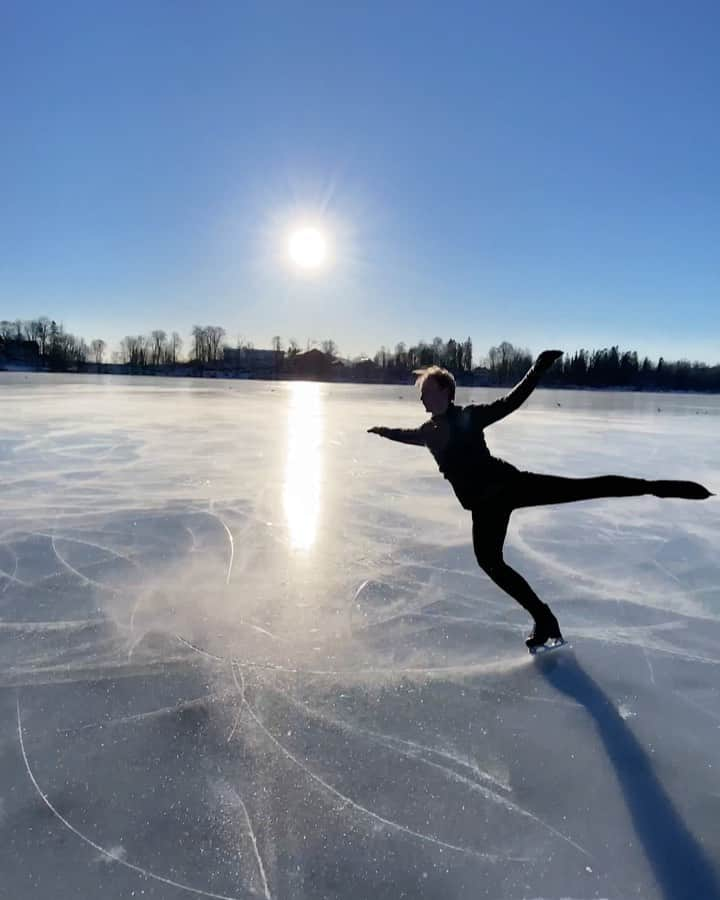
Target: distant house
x=365, y=369
x=248, y=359
x=313, y=364
x=481, y=376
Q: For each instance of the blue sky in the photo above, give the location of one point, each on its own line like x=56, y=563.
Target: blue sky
x=545, y=173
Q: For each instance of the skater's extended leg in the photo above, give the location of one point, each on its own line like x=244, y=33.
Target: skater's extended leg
x=531, y=489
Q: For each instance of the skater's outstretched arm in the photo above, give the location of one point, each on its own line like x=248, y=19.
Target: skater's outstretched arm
x=403, y=435
x=493, y=412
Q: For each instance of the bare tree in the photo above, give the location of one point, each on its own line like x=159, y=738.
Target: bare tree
x=199, y=343
x=207, y=341
x=438, y=351
x=175, y=347
x=508, y=362
x=32, y=331
x=125, y=351
x=500, y=359
x=329, y=347
x=467, y=355
x=426, y=354
x=133, y=350
x=55, y=345
x=293, y=347
x=65, y=349
x=158, y=346
x=451, y=354
x=43, y=324
x=215, y=335
x=97, y=348
x=79, y=350
x=278, y=351
x=493, y=358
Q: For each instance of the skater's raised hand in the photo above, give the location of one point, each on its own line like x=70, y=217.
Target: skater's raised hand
x=547, y=358
x=378, y=429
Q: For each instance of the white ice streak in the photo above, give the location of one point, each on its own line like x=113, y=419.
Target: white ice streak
x=63, y=562
x=141, y=717
x=258, y=858
x=420, y=752
x=649, y=664
x=460, y=670
x=358, y=807
x=110, y=854
x=230, y=539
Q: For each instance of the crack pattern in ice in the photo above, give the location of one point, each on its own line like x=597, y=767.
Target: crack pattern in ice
x=368, y=707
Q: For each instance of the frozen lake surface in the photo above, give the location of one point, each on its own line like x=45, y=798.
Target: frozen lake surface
x=246, y=651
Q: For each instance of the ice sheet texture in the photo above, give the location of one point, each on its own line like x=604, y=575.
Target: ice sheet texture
x=245, y=650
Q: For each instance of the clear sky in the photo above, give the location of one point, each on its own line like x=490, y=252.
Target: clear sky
x=541, y=172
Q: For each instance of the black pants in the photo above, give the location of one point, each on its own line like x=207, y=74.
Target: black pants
x=491, y=518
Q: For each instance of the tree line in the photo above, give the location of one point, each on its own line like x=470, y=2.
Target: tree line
x=457, y=356
x=613, y=367
x=56, y=347
x=60, y=350
x=504, y=364
x=154, y=349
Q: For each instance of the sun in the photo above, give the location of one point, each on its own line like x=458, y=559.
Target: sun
x=307, y=248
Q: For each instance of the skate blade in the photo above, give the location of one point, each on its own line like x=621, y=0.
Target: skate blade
x=552, y=644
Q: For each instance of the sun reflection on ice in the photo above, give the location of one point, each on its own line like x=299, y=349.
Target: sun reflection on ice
x=304, y=464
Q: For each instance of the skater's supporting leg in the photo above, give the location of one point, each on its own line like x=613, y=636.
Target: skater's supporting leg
x=489, y=529
x=532, y=489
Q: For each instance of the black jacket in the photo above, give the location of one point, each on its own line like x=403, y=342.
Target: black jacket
x=457, y=442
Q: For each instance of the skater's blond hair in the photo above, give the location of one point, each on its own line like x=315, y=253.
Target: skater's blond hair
x=442, y=378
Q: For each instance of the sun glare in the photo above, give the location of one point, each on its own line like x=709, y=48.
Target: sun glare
x=307, y=248
x=304, y=468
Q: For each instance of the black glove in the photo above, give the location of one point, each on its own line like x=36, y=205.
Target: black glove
x=546, y=359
